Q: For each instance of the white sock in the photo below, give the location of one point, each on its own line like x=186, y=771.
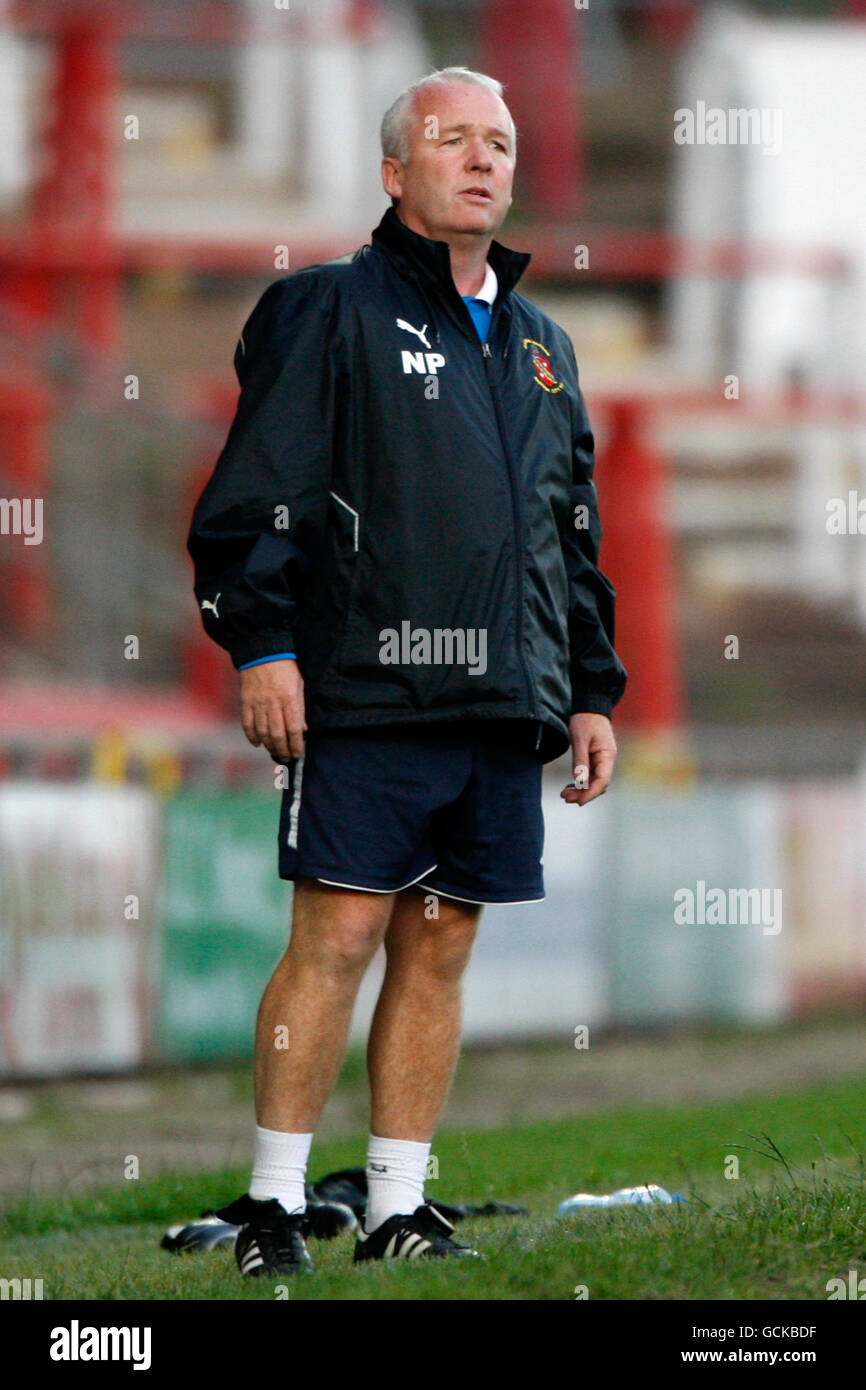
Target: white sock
x=280, y=1168
x=396, y=1169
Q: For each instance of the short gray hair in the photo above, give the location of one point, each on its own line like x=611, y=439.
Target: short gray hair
x=396, y=122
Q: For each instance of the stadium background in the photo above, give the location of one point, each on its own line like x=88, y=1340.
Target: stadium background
x=158, y=164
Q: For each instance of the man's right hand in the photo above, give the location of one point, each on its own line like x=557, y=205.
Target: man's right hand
x=272, y=708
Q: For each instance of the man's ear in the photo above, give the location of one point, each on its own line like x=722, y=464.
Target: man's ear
x=393, y=169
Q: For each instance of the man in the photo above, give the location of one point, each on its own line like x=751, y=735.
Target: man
x=398, y=548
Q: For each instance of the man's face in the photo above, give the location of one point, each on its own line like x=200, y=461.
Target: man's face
x=457, y=180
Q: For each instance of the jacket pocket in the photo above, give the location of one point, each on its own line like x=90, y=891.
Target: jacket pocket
x=350, y=519
x=338, y=558
x=324, y=617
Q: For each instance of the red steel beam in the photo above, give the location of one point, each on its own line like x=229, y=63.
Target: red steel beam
x=614, y=255
x=533, y=50
x=637, y=555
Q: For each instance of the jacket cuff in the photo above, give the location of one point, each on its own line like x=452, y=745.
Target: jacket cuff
x=592, y=703
x=271, y=643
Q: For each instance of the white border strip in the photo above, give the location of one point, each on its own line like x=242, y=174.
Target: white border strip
x=362, y=887
x=484, y=902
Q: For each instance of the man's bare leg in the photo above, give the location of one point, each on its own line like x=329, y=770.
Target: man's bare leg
x=335, y=933
x=415, y=1035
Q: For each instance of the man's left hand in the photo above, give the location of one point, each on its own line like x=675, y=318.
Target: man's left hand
x=593, y=750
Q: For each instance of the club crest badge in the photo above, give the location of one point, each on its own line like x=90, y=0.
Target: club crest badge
x=544, y=373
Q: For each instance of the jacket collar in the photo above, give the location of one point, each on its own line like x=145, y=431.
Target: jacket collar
x=490, y=288
x=432, y=259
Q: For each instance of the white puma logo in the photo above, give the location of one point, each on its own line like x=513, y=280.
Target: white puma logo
x=419, y=332
x=207, y=604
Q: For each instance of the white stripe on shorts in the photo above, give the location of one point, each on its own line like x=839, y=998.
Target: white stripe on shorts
x=295, y=807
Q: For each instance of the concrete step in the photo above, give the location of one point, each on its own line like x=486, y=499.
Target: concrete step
x=762, y=565
x=710, y=506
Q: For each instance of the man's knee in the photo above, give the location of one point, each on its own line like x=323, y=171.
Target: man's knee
x=339, y=929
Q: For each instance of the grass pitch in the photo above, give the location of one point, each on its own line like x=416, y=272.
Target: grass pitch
x=793, y=1218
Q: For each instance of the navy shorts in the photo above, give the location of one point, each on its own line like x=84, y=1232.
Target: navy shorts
x=453, y=808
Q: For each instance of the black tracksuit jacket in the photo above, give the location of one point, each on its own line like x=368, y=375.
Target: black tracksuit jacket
x=410, y=512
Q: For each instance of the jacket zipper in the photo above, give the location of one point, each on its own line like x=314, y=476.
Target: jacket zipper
x=487, y=355
x=518, y=531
